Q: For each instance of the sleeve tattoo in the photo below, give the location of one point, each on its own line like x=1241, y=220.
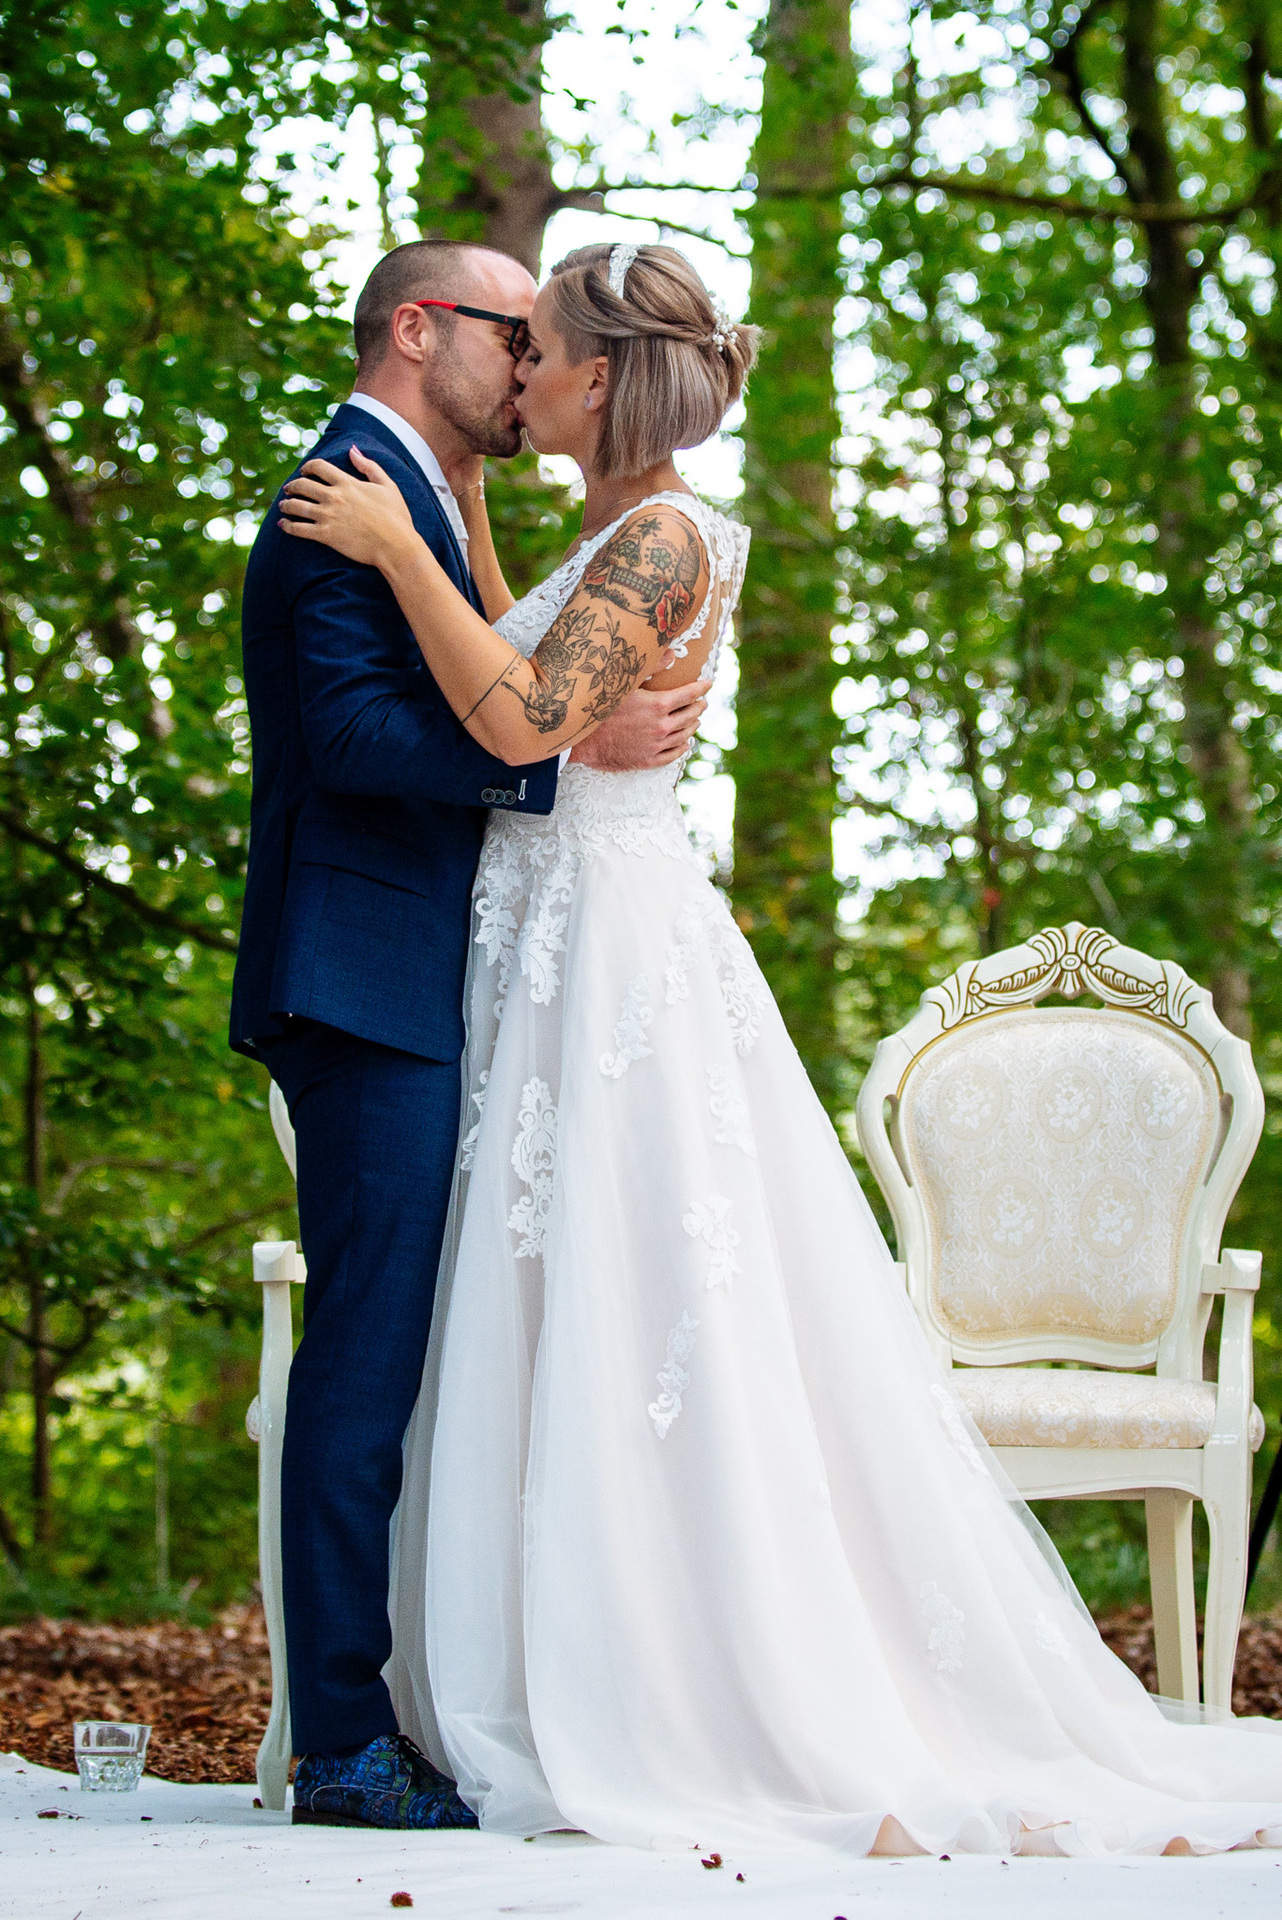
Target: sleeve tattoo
x=649, y=570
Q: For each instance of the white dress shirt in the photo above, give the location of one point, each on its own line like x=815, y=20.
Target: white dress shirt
x=415, y=444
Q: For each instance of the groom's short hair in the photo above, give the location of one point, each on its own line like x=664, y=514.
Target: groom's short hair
x=420, y=270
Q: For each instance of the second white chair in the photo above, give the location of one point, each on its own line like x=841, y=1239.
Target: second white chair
x=1059, y=1179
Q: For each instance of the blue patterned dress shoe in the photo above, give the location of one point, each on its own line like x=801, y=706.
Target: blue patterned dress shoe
x=389, y=1783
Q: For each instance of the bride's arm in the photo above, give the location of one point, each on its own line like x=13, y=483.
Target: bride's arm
x=496, y=595
x=638, y=594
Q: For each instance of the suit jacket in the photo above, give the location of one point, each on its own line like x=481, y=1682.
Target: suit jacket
x=369, y=798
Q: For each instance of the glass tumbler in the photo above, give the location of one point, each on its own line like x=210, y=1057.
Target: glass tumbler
x=110, y=1755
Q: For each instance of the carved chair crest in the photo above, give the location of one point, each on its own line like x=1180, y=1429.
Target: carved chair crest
x=1058, y=1174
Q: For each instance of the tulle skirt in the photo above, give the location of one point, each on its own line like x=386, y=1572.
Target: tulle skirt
x=696, y=1543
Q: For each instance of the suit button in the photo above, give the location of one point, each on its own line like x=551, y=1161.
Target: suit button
x=508, y=798
x=489, y=796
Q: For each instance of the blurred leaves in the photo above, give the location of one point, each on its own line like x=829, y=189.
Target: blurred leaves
x=169, y=344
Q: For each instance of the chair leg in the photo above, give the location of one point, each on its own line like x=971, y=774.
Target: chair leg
x=274, y=1266
x=1228, y=1516
x=1169, y=1515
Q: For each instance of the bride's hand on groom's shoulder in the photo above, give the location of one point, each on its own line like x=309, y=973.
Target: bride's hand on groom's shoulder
x=366, y=519
x=648, y=729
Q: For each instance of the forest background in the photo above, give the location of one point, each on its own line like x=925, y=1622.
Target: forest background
x=1010, y=651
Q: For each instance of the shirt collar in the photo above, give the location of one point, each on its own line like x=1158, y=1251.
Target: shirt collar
x=414, y=443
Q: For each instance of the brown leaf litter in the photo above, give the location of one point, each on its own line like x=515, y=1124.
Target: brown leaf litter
x=206, y=1691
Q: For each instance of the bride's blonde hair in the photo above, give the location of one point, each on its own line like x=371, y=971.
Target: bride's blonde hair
x=676, y=363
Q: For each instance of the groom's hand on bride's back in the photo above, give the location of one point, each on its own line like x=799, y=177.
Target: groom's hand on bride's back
x=648, y=729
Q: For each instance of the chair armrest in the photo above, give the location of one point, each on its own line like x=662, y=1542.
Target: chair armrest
x=1237, y=1276
x=1234, y=1272
x=278, y=1262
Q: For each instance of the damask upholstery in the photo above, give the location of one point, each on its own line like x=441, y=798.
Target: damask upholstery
x=1057, y=1154
x=1068, y=1407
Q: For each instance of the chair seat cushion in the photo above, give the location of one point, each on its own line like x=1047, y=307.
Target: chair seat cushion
x=1040, y=1407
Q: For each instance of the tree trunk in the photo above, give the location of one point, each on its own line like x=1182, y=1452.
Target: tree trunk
x=1219, y=883
x=785, y=896
x=505, y=194
x=33, y=1105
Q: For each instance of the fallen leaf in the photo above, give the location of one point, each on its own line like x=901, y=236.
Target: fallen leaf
x=713, y=1860
x=402, y=1900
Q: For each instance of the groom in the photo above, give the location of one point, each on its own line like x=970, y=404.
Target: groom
x=369, y=804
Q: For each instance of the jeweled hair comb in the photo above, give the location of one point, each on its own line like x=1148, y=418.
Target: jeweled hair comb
x=621, y=258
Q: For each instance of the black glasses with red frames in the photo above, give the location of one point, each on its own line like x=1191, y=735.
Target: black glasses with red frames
x=518, y=331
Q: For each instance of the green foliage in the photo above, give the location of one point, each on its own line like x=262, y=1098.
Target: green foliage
x=168, y=342
x=785, y=896
x=1062, y=513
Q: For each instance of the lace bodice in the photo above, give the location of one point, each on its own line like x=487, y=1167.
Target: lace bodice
x=537, y=858
x=725, y=543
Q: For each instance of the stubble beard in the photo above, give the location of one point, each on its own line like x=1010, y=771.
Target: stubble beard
x=470, y=406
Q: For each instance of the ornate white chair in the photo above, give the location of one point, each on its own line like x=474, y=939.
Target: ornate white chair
x=278, y=1265
x=1059, y=1179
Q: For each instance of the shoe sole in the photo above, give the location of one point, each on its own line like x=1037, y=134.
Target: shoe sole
x=307, y=1817
x=304, y=1817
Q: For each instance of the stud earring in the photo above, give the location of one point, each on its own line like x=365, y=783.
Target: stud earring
x=587, y=403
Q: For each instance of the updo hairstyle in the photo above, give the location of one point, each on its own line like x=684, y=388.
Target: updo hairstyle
x=676, y=364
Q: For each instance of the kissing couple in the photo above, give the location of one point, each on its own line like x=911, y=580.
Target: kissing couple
x=604, y=1355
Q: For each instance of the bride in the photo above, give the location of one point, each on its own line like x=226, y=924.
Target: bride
x=696, y=1545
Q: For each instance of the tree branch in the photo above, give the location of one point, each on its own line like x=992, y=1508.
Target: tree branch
x=932, y=833
x=591, y=200
x=1066, y=66
x=117, y=633
x=601, y=186
x=65, y=1351
x=1255, y=73
x=10, y=1542
x=1143, y=212
x=73, y=1173
x=241, y=1219
x=16, y=827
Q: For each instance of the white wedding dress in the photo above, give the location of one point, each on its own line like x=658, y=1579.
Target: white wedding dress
x=696, y=1544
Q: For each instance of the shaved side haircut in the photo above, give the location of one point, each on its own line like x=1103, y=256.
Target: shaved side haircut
x=420, y=270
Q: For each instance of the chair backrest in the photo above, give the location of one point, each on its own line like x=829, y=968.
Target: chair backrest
x=1059, y=1175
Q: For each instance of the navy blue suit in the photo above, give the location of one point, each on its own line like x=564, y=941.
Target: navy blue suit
x=369, y=804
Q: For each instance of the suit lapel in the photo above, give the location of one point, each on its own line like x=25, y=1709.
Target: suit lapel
x=356, y=420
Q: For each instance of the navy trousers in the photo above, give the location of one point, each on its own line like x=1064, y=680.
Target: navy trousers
x=376, y=1131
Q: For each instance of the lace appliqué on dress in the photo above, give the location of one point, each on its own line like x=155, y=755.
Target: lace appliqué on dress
x=498, y=888
x=730, y=1111
x=947, y=1634
x=681, y=951
x=1051, y=1637
x=630, y=1042
x=467, y=1152
x=706, y=922
x=709, y=1221
x=534, y=1157
x=954, y=1425
x=674, y=1379
x=530, y=867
